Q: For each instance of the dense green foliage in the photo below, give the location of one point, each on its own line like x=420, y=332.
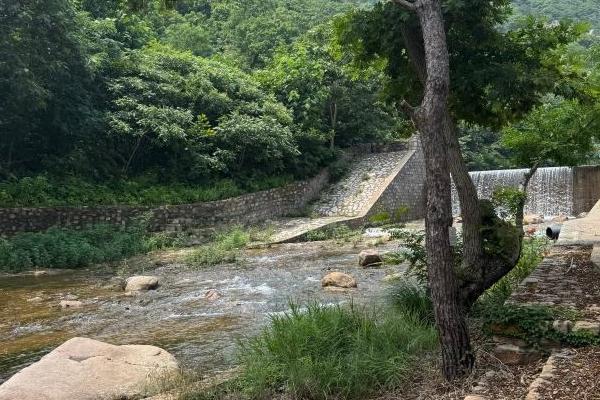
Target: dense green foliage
x=149, y=95
x=575, y=10
x=41, y=191
x=67, y=248
x=499, y=72
x=178, y=93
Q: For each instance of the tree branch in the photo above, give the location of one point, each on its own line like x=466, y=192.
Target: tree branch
x=412, y=6
x=408, y=109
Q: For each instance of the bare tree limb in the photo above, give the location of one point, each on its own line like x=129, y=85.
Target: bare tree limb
x=408, y=109
x=409, y=5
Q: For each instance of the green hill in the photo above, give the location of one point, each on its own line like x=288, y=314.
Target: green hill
x=577, y=10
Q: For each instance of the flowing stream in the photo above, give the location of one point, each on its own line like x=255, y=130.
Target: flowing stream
x=201, y=333
x=550, y=191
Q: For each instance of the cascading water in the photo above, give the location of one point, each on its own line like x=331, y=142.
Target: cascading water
x=550, y=191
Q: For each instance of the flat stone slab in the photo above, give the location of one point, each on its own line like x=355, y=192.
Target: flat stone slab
x=582, y=231
x=86, y=369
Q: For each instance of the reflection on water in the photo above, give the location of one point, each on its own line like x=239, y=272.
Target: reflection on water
x=199, y=332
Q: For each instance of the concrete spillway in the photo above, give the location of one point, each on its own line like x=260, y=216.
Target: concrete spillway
x=550, y=191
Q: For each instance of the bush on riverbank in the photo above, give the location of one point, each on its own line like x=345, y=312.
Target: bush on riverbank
x=42, y=191
x=328, y=352
x=226, y=246
x=67, y=248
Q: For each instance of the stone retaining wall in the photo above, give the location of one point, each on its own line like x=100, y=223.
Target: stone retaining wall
x=246, y=209
x=586, y=188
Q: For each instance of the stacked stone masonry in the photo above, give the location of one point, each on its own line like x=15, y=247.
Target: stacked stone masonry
x=565, y=280
x=246, y=209
x=354, y=193
x=385, y=178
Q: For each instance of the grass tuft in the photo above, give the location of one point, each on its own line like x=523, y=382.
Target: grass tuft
x=412, y=298
x=333, y=352
x=223, y=249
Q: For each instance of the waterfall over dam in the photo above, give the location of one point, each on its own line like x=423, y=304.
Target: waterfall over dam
x=550, y=191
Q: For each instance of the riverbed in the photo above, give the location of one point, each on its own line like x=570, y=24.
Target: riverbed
x=203, y=333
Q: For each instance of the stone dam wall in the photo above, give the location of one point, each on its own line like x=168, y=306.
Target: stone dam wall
x=245, y=209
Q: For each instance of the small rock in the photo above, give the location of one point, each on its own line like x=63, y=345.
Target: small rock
x=35, y=300
x=587, y=326
x=490, y=374
x=141, y=283
x=560, y=218
x=71, y=304
x=531, y=219
x=515, y=355
x=562, y=326
x=479, y=388
x=212, y=295
x=531, y=283
x=40, y=273
x=338, y=279
x=369, y=257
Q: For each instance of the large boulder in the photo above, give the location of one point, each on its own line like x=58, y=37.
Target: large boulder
x=369, y=257
x=338, y=279
x=533, y=219
x=86, y=369
x=141, y=283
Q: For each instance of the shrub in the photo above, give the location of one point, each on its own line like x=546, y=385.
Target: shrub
x=224, y=248
x=42, y=191
x=333, y=352
x=68, y=248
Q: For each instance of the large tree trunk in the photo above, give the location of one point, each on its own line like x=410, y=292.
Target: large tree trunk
x=431, y=120
x=467, y=193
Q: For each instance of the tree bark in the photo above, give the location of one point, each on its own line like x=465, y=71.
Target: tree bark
x=467, y=193
x=431, y=120
x=333, y=118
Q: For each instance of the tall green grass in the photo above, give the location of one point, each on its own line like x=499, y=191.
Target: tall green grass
x=224, y=248
x=329, y=353
x=336, y=232
x=68, y=248
x=410, y=297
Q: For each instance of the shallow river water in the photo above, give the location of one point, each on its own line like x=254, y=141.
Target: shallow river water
x=201, y=333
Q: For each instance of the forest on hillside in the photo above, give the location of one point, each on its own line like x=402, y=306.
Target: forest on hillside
x=170, y=101
x=575, y=10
